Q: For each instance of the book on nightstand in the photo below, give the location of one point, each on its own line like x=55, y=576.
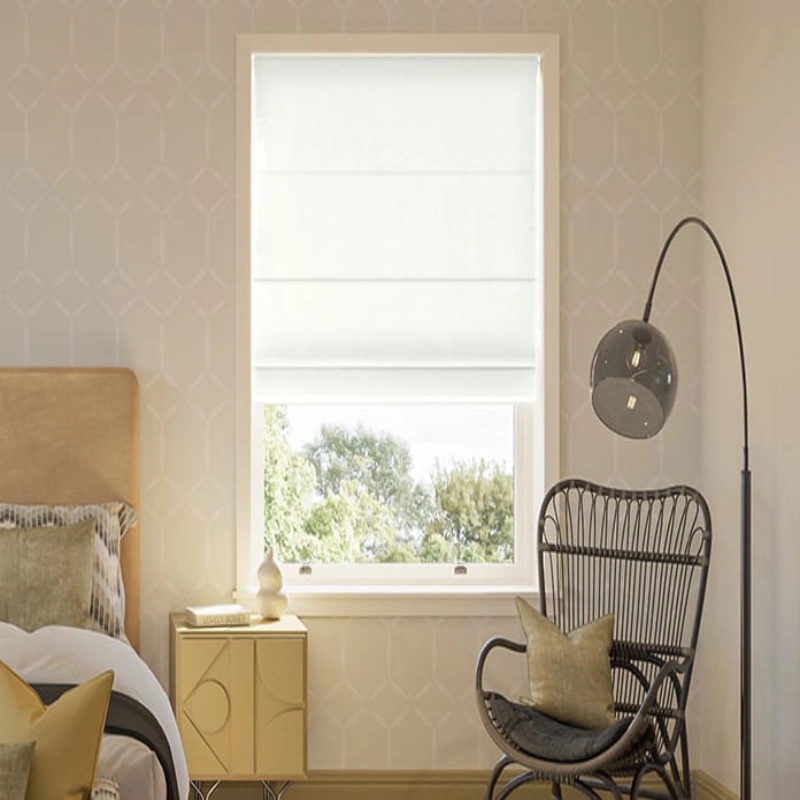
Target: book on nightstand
x=213, y=616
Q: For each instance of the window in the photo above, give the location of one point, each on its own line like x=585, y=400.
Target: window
x=398, y=316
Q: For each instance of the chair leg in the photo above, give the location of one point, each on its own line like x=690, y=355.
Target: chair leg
x=495, y=776
x=515, y=783
x=556, y=791
x=670, y=785
x=674, y=788
x=686, y=771
x=586, y=790
x=610, y=784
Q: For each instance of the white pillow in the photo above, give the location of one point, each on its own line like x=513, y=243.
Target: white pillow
x=113, y=521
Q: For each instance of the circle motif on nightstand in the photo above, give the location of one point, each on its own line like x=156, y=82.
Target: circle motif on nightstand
x=210, y=706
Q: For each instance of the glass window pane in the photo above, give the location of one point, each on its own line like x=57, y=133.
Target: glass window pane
x=389, y=483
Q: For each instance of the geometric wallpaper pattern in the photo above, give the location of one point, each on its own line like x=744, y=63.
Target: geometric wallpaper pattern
x=117, y=231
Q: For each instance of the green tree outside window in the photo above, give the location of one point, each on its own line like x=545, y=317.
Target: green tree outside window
x=350, y=496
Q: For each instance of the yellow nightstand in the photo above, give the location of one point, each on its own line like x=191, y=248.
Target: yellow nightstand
x=240, y=697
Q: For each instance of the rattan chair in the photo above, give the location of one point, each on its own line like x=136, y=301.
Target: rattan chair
x=643, y=556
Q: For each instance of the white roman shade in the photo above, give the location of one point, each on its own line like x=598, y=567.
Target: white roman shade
x=396, y=233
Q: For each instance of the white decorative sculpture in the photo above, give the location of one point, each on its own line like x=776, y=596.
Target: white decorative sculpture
x=272, y=602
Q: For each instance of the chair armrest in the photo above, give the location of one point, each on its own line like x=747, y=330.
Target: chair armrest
x=640, y=721
x=667, y=672
x=493, y=643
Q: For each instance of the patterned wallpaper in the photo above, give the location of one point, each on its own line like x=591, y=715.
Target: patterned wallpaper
x=117, y=231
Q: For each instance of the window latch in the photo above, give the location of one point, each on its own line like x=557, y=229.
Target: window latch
x=460, y=569
x=305, y=569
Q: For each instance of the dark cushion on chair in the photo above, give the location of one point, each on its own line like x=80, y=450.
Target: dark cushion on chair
x=543, y=737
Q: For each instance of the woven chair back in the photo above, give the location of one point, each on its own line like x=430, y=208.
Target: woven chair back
x=642, y=556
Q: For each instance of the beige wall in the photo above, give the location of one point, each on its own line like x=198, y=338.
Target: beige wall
x=117, y=231
x=751, y=136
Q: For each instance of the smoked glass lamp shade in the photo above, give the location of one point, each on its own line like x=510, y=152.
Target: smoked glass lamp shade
x=634, y=379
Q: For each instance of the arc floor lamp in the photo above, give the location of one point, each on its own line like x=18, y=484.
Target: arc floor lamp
x=633, y=382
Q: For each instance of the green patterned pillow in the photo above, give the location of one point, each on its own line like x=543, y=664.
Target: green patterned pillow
x=15, y=766
x=105, y=789
x=570, y=674
x=113, y=520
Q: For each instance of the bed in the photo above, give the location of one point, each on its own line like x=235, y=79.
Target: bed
x=71, y=436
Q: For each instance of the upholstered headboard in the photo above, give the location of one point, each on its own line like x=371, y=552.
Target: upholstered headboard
x=72, y=436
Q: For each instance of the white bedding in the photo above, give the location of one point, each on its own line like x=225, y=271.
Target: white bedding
x=67, y=655
x=133, y=766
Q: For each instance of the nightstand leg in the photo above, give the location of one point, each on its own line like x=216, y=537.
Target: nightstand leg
x=198, y=789
x=273, y=793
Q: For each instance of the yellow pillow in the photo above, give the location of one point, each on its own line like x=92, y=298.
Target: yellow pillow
x=67, y=733
x=570, y=674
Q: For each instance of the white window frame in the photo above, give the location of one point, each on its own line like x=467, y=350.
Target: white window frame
x=536, y=467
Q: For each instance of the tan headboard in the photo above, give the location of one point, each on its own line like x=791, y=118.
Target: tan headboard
x=72, y=436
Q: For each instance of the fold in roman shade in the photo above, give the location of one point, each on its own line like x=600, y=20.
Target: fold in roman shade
x=395, y=234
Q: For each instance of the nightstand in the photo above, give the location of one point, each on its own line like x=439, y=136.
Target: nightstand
x=239, y=695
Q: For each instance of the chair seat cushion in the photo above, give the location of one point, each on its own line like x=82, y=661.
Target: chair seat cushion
x=543, y=737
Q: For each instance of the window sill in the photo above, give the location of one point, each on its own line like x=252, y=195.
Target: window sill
x=400, y=601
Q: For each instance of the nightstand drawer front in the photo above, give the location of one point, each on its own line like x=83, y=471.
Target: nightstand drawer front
x=280, y=747
x=280, y=707
x=280, y=669
x=215, y=688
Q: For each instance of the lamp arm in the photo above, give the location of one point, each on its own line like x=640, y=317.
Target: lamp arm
x=746, y=513
x=648, y=307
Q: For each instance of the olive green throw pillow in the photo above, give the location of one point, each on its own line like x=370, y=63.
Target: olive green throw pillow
x=46, y=575
x=15, y=766
x=570, y=674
